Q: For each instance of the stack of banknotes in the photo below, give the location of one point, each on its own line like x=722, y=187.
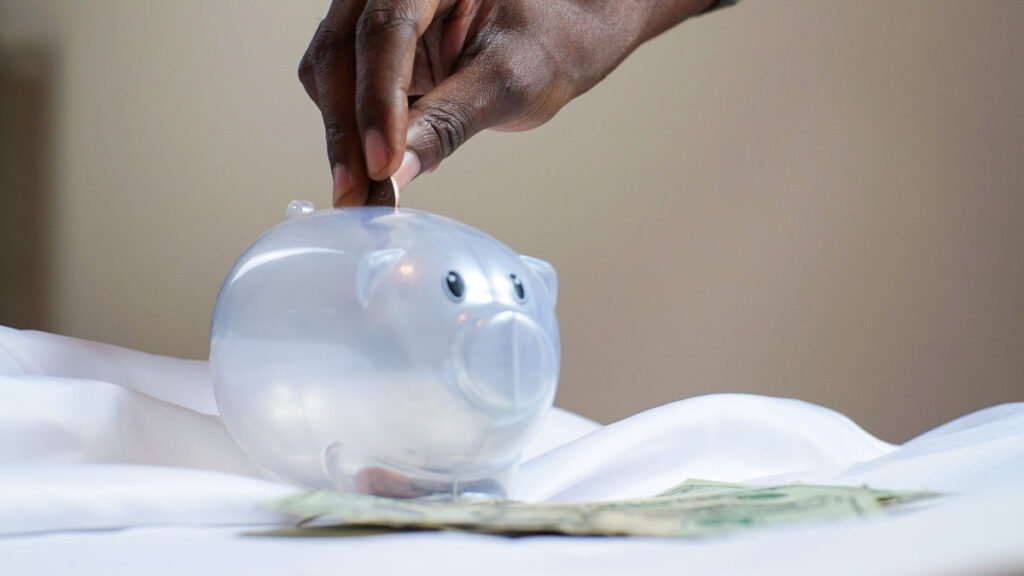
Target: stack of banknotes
x=692, y=509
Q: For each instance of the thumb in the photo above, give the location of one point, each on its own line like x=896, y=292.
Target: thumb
x=475, y=98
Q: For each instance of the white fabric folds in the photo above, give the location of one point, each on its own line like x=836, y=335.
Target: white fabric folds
x=94, y=436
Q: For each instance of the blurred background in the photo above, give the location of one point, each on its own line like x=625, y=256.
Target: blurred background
x=820, y=200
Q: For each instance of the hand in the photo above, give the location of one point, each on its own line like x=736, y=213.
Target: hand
x=402, y=83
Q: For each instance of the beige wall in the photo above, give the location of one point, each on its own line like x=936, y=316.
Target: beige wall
x=822, y=200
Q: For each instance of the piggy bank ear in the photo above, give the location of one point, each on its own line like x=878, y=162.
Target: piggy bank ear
x=546, y=273
x=373, y=267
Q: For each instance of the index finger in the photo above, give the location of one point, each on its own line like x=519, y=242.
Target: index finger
x=386, y=37
x=328, y=74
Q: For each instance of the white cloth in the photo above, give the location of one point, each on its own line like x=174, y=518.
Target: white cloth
x=99, y=437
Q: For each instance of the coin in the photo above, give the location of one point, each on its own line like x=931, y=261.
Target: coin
x=384, y=193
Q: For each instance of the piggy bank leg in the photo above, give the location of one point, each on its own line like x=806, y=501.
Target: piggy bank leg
x=350, y=470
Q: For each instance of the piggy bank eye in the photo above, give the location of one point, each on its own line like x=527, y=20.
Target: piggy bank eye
x=518, y=288
x=454, y=287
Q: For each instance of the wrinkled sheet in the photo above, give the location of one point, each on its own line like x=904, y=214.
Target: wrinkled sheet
x=95, y=438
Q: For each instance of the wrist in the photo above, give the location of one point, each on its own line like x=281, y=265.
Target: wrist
x=595, y=36
x=630, y=23
x=661, y=15
x=589, y=38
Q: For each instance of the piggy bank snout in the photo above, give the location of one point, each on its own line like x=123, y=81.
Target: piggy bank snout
x=508, y=363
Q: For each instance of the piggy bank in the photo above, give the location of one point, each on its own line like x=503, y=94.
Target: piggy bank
x=389, y=352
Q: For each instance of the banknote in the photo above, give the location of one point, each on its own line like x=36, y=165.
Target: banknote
x=692, y=509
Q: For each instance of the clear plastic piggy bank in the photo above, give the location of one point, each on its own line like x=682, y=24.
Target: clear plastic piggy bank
x=396, y=353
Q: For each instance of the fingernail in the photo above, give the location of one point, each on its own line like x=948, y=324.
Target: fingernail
x=409, y=169
x=376, y=152
x=342, y=182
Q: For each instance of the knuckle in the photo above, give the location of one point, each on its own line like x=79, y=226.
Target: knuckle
x=306, y=75
x=327, y=42
x=449, y=129
x=387, y=18
x=335, y=132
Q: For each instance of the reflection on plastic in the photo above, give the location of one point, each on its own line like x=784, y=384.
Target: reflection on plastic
x=396, y=353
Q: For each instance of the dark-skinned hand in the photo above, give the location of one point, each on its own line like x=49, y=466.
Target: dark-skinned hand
x=402, y=84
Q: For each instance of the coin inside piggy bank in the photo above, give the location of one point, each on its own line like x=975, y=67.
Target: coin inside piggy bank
x=383, y=351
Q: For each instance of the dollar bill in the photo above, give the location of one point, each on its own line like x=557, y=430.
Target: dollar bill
x=692, y=509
